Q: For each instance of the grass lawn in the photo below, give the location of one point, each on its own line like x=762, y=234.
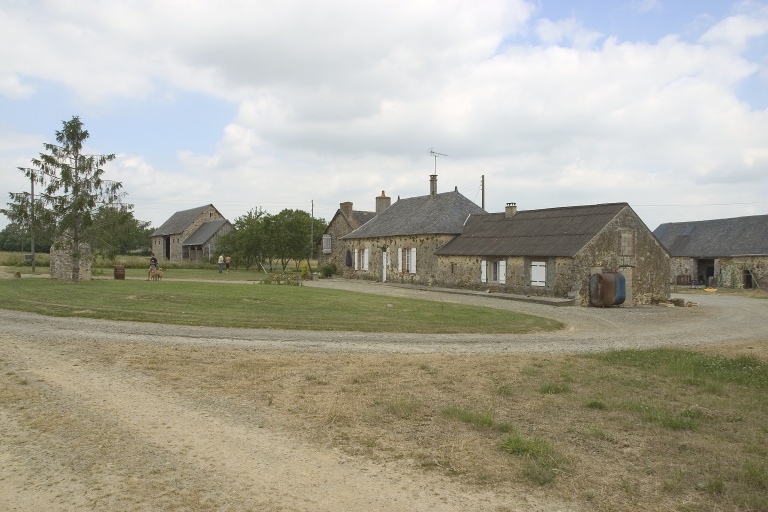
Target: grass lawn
x=257, y=306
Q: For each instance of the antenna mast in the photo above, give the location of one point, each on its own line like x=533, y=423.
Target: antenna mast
x=435, y=154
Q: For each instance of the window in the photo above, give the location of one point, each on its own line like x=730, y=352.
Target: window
x=538, y=273
x=361, y=259
x=326, y=244
x=626, y=242
x=406, y=259
x=493, y=271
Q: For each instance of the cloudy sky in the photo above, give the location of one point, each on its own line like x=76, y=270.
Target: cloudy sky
x=261, y=104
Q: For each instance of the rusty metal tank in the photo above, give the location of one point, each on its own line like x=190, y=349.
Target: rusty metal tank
x=607, y=289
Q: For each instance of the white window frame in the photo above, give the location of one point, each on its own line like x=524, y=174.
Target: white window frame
x=406, y=264
x=487, y=270
x=538, y=273
x=357, y=262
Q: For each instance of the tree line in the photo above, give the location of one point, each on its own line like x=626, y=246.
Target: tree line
x=259, y=238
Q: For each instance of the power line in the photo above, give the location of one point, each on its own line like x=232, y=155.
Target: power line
x=704, y=204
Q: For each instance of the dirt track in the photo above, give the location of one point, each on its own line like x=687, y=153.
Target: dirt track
x=80, y=430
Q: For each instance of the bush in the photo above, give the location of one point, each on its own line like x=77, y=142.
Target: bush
x=328, y=270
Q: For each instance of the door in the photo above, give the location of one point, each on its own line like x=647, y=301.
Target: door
x=384, y=263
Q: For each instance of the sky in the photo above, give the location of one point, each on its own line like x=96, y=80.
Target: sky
x=255, y=104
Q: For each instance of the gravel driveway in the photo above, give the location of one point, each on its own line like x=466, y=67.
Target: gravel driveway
x=716, y=319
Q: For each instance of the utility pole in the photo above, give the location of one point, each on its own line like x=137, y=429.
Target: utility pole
x=312, y=231
x=482, y=188
x=32, y=219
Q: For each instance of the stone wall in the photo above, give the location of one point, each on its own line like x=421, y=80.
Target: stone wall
x=337, y=228
x=647, y=271
x=61, y=262
x=729, y=271
x=427, y=268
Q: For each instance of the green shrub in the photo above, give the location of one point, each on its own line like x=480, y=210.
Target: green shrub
x=328, y=270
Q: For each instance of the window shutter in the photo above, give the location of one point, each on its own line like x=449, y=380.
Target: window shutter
x=413, y=260
x=357, y=264
x=483, y=271
x=365, y=259
x=503, y=272
x=538, y=273
x=327, y=244
x=399, y=259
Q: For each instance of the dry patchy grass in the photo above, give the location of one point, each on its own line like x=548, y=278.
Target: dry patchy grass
x=613, y=434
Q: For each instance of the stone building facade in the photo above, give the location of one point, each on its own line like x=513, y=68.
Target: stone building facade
x=399, y=259
x=169, y=241
x=730, y=253
x=331, y=249
x=554, y=252
x=723, y=272
x=399, y=244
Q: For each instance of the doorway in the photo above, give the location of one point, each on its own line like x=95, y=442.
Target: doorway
x=384, y=263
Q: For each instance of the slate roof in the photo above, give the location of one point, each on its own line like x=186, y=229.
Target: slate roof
x=548, y=232
x=739, y=236
x=205, y=232
x=360, y=217
x=179, y=221
x=440, y=214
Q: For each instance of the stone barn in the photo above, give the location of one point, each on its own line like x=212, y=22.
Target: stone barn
x=721, y=252
x=554, y=252
x=190, y=235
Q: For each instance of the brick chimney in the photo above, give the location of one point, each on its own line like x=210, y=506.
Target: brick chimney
x=382, y=202
x=510, y=210
x=433, y=185
x=346, y=209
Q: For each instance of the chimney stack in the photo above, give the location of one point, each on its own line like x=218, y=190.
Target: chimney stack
x=510, y=210
x=433, y=185
x=382, y=202
x=346, y=209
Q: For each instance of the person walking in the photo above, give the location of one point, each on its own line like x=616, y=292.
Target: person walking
x=221, y=262
x=227, y=261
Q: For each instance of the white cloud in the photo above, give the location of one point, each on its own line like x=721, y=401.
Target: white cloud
x=339, y=100
x=566, y=30
x=737, y=31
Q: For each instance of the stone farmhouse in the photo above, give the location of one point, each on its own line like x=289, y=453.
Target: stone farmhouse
x=554, y=252
x=330, y=248
x=720, y=252
x=190, y=235
x=399, y=244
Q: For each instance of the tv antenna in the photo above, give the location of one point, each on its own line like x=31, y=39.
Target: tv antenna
x=435, y=154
